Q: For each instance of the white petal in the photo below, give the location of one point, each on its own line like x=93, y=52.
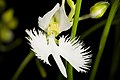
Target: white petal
x=39, y=45
x=56, y=56
x=75, y=54
x=44, y=22
x=62, y=19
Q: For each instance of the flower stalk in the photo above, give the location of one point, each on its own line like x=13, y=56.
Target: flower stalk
x=23, y=65
x=104, y=38
x=76, y=18
x=73, y=33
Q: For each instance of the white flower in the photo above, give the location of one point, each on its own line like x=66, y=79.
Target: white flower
x=73, y=52
x=58, y=15
x=44, y=45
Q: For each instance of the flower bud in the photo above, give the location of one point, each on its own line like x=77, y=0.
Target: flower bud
x=6, y=35
x=8, y=15
x=97, y=10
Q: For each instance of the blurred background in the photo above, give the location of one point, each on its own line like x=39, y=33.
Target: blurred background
x=18, y=15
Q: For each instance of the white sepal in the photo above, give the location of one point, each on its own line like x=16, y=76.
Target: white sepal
x=43, y=22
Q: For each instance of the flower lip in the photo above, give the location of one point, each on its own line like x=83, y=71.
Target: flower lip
x=74, y=52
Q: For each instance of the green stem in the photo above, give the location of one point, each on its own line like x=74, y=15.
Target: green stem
x=73, y=33
x=104, y=38
x=41, y=69
x=115, y=62
x=97, y=26
x=23, y=65
x=116, y=52
x=11, y=46
x=92, y=29
x=76, y=18
x=86, y=16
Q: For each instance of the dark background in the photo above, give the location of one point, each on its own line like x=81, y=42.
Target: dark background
x=27, y=12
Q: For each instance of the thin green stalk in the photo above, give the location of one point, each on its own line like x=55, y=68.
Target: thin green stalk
x=104, y=38
x=92, y=29
x=14, y=44
x=73, y=33
x=86, y=16
x=76, y=18
x=23, y=65
x=116, y=53
x=41, y=69
x=115, y=62
x=97, y=26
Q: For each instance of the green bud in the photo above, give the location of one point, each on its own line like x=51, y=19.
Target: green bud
x=12, y=24
x=6, y=35
x=97, y=10
x=8, y=15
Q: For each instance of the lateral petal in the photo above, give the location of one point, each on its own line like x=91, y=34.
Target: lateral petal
x=38, y=43
x=75, y=54
x=62, y=19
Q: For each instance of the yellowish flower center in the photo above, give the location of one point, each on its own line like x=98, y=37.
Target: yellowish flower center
x=53, y=28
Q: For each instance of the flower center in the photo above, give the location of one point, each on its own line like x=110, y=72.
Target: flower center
x=53, y=27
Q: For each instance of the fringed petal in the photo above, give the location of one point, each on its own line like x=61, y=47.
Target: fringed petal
x=38, y=43
x=75, y=54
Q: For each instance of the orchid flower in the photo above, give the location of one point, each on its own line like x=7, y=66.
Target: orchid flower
x=44, y=44
x=55, y=20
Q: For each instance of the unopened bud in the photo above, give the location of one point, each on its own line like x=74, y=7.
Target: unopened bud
x=97, y=10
